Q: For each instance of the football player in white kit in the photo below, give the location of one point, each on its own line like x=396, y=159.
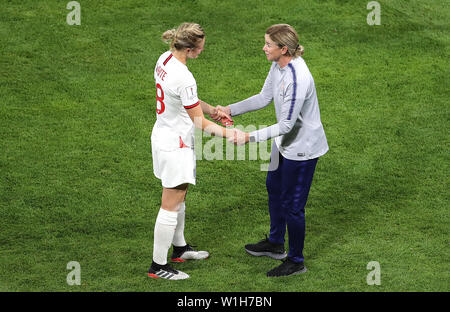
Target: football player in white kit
x=178, y=111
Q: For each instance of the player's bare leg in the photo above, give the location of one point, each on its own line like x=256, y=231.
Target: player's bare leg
x=173, y=197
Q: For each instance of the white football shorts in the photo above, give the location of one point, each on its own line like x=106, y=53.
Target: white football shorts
x=174, y=167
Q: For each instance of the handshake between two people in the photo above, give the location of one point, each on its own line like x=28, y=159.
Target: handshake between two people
x=223, y=115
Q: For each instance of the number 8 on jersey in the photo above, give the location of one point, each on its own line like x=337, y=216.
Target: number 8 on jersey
x=159, y=99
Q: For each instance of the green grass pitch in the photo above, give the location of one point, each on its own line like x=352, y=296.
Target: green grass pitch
x=77, y=105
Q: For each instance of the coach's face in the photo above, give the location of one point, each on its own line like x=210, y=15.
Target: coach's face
x=272, y=50
x=194, y=53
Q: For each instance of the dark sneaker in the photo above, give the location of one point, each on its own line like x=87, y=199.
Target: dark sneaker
x=181, y=254
x=266, y=248
x=165, y=272
x=288, y=267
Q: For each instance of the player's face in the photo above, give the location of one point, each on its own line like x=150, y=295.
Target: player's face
x=272, y=50
x=194, y=53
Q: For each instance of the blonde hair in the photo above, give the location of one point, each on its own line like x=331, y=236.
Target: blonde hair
x=187, y=35
x=285, y=35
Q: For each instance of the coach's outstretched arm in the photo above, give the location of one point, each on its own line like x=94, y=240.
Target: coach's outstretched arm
x=290, y=109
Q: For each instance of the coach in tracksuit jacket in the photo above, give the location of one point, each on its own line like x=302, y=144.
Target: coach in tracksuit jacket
x=299, y=141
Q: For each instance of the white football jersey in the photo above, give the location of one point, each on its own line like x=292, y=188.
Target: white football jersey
x=176, y=91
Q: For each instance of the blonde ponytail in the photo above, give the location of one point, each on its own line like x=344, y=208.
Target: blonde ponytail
x=168, y=35
x=187, y=35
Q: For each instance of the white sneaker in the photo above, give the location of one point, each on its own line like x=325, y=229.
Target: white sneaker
x=181, y=254
x=166, y=272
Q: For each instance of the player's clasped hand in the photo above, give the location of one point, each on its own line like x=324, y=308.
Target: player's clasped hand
x=238, y=137
x=219, y=113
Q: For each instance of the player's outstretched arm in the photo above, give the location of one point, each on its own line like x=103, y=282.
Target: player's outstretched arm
x=199, y=120
x=208, y=109
x=216, y=114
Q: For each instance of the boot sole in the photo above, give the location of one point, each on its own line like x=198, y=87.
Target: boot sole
x=276, y=256
x=295, y=273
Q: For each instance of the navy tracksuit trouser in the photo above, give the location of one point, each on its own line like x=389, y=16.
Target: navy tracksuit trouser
x=288, y=188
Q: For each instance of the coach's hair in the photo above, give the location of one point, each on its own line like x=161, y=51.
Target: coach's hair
x=187, y=35
x=285, y=35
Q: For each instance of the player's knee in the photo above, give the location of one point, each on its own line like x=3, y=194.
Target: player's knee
x=171, y=207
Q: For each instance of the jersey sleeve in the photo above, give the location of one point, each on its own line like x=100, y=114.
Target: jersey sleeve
x=188, y=92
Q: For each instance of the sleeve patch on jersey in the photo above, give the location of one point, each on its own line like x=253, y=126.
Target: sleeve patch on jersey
x=191, y=92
